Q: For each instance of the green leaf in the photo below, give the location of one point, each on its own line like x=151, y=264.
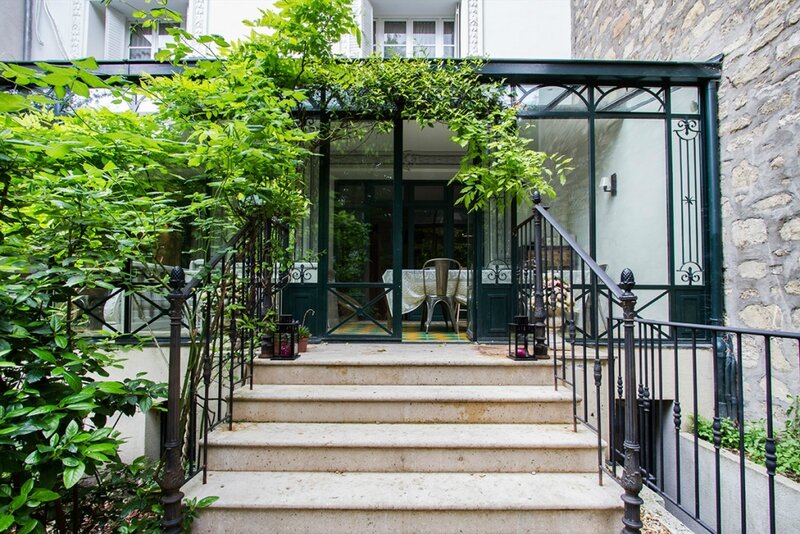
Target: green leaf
x=45, y=355
x=26, y=487
x=87, y=63
x=28, y=526
x=205, y=502
x=72, y=380
x=102, y=447
x=57, y=150
x=76, y=279
x=72, y=475
x=11, y=103
x=42, y=410
x=72, y=429
x=61, y=341
x=80, y=89
x=44, y=495
x=6, y=520
x=81, y=406
x=56, y=79
x=115, y=388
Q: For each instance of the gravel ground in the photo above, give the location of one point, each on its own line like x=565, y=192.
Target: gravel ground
x=656, y=519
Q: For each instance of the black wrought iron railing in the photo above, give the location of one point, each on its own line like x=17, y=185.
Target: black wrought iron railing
x=226, y=310
x=666, y=399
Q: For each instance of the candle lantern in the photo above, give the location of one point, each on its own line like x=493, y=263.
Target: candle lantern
x=520, y=346
x=286, y=339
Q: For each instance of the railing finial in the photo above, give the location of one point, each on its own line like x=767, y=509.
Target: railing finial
x=537, y=197
x=177, y=279
x=626, y=280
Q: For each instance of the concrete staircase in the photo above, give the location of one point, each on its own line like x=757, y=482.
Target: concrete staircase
x=404, y=438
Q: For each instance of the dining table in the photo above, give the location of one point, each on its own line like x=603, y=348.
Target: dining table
x=413, y=290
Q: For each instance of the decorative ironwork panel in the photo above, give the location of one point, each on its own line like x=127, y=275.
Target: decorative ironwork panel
x=687, y=202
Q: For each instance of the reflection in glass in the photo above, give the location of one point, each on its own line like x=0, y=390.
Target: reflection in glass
x=685, y=100
x=568, y=137
x=394, y=38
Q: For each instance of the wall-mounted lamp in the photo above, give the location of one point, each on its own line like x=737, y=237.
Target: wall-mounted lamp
x=609, y=184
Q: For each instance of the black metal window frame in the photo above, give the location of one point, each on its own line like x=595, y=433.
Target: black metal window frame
x=595, y=110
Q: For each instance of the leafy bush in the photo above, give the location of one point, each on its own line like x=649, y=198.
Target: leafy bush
x=754, y=439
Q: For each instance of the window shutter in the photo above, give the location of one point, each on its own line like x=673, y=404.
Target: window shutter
x=116, y=33
x=367, y=37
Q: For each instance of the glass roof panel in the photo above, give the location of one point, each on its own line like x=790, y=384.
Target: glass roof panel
x=629, y=99
x=543, y=98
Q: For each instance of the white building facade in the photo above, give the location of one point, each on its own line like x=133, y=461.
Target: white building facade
x=513, y=29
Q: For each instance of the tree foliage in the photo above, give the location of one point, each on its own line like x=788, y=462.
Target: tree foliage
x=86, y=191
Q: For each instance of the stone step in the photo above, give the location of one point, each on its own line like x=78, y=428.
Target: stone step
x=404, y=364
x=411, y=372
x=364, y=447
x=301, y=502
x=402, y=404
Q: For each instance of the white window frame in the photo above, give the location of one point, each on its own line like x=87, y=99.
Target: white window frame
x=378, y=38
x=158, y=41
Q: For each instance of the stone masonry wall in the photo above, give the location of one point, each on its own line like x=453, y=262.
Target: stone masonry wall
x=759, y=115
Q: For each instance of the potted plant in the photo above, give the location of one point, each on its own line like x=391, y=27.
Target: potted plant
x=303, y=332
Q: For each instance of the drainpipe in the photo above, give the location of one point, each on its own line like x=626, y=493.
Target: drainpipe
x=726, y=364
x=27, y=31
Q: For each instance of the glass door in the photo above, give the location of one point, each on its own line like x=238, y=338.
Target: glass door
x=435, y=228
x=360, y=287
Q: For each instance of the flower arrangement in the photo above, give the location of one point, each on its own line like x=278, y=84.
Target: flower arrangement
x=558, y=296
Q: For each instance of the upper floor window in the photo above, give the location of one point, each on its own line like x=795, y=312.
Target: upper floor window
x=415, y=38
x=143, y=42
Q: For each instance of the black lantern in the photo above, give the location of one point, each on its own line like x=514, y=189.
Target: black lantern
x=519, y=339
x=285, y=340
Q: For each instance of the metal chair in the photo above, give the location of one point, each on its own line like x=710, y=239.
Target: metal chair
x=441, y=291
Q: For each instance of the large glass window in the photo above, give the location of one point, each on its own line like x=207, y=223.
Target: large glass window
x=449, y=39
x=143, y=42
x=424, y=38
x=394, y=38
x=415, y=38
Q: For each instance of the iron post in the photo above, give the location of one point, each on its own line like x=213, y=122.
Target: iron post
x=539, y=312
x=173, y=479
x=632, y=476
x=266, y=303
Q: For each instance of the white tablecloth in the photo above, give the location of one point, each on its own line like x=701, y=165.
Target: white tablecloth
x=413, y=295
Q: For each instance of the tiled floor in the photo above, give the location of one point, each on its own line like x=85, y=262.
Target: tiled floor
x=411, y=332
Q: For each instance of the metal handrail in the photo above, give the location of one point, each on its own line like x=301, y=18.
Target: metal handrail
x=594, y=267
x=721, y=329
x=650, y=367
x=224, y=350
